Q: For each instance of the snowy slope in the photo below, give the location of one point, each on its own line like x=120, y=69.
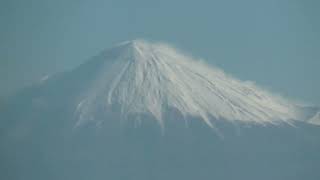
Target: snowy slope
x=100, y=121
x=315, y=119
x=143, y=78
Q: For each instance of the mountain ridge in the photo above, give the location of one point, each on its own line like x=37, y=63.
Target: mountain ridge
x=143, y=78
x=155, y=76
x=43, y=135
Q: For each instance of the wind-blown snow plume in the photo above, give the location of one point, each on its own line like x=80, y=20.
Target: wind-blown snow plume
x=150, y=78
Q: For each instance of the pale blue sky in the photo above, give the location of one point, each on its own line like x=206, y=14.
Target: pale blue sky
x=275, y=43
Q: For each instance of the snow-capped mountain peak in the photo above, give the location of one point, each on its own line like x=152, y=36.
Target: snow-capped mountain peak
x=144, y=110
x=143, y=78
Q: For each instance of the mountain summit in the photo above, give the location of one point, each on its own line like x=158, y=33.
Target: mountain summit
x=142, y=110
x=138, y=78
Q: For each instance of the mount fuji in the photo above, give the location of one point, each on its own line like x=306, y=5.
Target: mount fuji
x=143, y=110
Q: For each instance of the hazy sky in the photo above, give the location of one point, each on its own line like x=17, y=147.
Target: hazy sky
x=273, y=42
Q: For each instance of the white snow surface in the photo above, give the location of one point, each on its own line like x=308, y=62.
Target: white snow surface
x=315, y=119
x=143, y=78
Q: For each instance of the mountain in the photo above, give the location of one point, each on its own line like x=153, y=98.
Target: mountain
x=142, y=110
